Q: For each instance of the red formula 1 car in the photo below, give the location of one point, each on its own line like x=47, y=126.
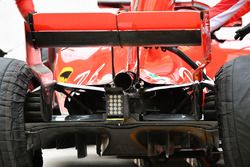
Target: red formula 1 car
x=132, y=83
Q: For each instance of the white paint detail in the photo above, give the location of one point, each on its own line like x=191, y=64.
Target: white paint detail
x=220, y=19
x=94, y=77
x=185, y=73
x=82, y=77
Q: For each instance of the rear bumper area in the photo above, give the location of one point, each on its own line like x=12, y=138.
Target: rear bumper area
x=137, y=139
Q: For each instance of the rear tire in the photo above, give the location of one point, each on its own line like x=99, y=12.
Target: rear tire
x=232, y=103
x=32, y=107
x=210, y=113
x=14, y=79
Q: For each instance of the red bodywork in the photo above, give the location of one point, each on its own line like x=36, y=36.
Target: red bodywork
x=156, y=66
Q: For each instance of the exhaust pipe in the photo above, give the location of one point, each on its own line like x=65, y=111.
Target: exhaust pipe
x=124, y=80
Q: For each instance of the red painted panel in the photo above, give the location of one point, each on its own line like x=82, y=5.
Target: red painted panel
x=161, y=20
x=74, y=21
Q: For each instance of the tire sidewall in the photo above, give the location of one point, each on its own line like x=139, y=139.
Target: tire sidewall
x=232, y=103
x=14, y=79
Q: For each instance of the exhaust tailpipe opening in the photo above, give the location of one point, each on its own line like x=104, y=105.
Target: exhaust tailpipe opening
x=124, y=80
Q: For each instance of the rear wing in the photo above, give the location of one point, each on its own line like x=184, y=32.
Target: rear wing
x=124, y=29
x=140, y=28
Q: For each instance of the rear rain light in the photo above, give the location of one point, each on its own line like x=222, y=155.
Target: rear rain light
x=114, y=102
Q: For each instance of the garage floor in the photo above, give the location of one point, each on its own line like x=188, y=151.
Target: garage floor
x=68, y=158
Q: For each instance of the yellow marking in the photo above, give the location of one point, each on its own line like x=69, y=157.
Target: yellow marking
x=65, y=74
x=115, y=119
